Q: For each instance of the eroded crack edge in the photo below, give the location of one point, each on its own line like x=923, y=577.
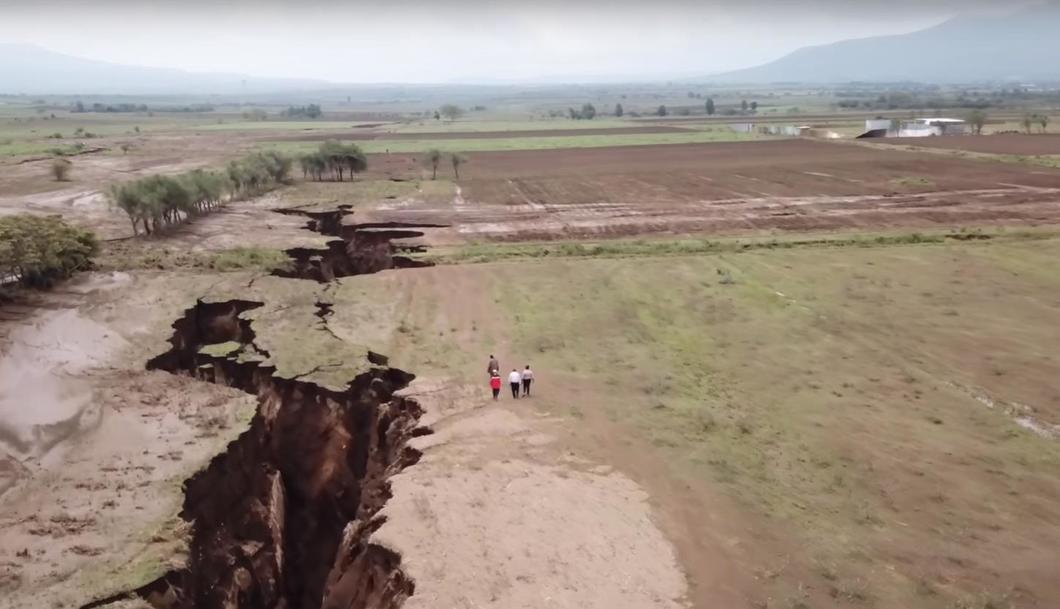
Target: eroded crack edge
x=359, y=250
x=284, y=516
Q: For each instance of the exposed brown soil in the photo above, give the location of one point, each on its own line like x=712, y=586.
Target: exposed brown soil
x=361, y=248
x=1006, y=143
x=726, y=187
x=472, y=135
x=282, y=518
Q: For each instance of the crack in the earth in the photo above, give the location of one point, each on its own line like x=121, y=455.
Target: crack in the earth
x=283, y=518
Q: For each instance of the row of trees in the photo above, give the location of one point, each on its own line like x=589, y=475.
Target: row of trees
x=1029, y=121
x=39, y=250
x=157, y=202
x=332, y=161
x=588, y=111
x=310, y=111
x=977, y=120
x=433, y=158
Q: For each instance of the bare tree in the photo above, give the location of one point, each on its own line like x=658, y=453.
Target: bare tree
x=1043, y=122
x=1027, y=122
x=457, y=159
x=433, y=157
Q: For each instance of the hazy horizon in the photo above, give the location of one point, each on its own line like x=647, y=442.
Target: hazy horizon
x=413, y=41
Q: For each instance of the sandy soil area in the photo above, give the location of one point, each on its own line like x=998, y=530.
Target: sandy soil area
x=95, y=448
x=495, y=514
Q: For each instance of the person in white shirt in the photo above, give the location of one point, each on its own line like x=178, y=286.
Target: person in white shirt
x=528, y=379
x=514, y=379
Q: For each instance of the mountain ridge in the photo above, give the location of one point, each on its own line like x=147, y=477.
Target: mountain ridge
x=1020, y=46
x=31, y=69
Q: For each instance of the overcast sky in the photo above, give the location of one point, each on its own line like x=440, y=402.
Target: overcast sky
x=462, y=41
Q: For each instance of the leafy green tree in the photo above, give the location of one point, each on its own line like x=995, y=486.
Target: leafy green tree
x=977, y=119
x=743, y=105
x=710, y=106
x=662, y=111
x=618, y=110
x=60, y=169
x=154, y=203
x=588, y=112
x=39, y=250
x=433, y=157
x=754, y=106
x=457, y=160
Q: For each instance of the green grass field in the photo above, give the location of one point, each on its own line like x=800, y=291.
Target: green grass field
x=839, y=392
x=529, y=143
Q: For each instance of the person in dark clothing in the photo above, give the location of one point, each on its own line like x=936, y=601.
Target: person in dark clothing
x=515, y=380
x=528, y=379
x=494, y=367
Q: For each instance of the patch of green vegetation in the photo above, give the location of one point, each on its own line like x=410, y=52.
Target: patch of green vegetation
x=913, y=181
x=326, y=195
x=476, y=126
x=221, y=349
x=133, y=255
x=621, y=248
x=247, y=258
x=793, y=378
x=530, y=143
x=1042, y=160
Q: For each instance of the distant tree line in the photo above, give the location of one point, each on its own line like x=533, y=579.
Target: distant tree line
x=332, y=161
x=79, y=107
x=36, y=251
x=310, y=111
x=587, y=112
x=158, y=202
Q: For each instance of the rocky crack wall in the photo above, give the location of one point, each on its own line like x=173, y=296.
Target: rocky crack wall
x=283, y=518
x=360, y=248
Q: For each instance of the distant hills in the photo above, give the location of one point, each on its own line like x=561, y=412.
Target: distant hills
x=1020, y=47
x=32, y=70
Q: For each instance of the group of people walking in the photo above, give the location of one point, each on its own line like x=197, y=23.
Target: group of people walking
x=516, y=380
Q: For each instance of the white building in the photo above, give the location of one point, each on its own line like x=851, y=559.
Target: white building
x=919, y=127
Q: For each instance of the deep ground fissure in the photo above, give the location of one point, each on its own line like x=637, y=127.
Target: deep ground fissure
x=283, y=517
x=360, y=249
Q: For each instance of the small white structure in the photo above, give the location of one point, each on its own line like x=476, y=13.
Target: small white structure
x=937, y=126
x=919, y=127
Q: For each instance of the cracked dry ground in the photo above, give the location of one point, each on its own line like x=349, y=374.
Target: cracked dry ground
x=170, y=486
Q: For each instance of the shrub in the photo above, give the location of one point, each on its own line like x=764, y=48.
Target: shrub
x=39, y=250
x=61, y=169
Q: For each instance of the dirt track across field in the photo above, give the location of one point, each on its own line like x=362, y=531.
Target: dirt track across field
x=473, y=135
x=1008, y=143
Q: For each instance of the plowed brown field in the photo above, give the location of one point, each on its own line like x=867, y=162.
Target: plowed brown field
x=788, y=184
x=1008, y=143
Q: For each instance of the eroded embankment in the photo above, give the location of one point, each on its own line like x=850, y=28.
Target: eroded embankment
x=359, y=250
x=283, y=517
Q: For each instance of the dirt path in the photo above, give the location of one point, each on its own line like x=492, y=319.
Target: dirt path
x=495, y=514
